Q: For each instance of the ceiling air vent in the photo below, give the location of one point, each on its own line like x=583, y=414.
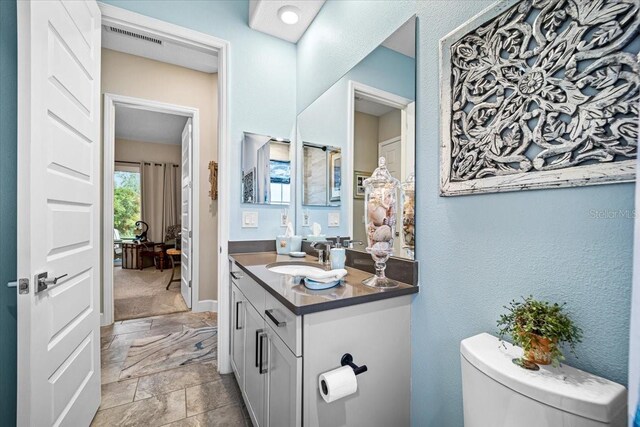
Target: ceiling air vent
x=134, y=35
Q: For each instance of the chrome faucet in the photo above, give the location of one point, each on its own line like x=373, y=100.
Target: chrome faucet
x=324, y=254
x=347, y=243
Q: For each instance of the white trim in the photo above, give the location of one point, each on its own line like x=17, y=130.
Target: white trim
x=224, y=200
x=206, y=305
x=373, y=94
x=110, y=101
x=115, y=15
x=108, y=168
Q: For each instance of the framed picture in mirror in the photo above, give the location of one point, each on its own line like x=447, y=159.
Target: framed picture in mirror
x=335, y=166
x=358, y=183
x=248, y=189
x=266, y=169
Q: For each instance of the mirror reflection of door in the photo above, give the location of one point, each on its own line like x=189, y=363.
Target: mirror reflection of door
x=379, y=132
x=380, y=91
x=391, y=150
x=321, y=175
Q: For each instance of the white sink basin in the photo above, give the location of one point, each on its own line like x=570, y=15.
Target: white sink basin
x=291, y=269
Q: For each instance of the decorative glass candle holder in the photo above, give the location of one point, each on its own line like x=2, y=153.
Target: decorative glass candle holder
x=409, y=215
x=380, y=199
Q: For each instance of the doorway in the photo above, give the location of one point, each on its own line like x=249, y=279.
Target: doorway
x=151, y=211
x=150, y=265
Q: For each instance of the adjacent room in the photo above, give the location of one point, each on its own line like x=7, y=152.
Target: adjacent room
x=147, y=212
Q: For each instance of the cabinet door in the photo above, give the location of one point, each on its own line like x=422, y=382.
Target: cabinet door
x=284, y=384
x=238, y=309
x=254, y=379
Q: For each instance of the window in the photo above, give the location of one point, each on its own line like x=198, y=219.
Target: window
x=126, y=200
x=280, y=181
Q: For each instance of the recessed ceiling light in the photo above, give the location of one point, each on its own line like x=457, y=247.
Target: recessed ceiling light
x=289, y=14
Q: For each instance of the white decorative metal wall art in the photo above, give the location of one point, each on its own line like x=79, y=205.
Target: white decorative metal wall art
x=540, y=93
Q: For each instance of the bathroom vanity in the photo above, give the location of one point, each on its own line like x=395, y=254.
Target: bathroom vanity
x=284, y=336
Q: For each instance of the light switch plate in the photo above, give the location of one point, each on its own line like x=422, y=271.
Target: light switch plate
x=333, y=219
x=306, y=219
x=284, y=218
x=249, y=219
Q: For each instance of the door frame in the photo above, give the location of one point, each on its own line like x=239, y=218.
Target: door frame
x=112, y=15
x=379, y=96
x=110, y=102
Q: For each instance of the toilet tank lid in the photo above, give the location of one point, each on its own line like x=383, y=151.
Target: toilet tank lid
x=565, y=388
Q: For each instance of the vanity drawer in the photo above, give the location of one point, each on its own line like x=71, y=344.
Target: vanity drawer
x=286, y=325
x=251, y=290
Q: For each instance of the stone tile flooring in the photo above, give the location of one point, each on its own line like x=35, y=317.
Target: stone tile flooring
x=162, y=370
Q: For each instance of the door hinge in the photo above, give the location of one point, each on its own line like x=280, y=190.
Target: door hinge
x=190, y=233
x=189, y=283
x=23, y=286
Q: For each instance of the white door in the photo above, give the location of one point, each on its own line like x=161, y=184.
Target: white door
x=58, y=212
x=391, y=150
x=185, y=260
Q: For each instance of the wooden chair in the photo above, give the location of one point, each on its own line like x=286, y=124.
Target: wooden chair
x=171, y=253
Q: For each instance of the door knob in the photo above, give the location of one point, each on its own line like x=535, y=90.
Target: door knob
x=44, y=281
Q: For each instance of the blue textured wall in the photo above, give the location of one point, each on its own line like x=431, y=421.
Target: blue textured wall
x=325, y=122
x=478, y=252
x=262, y=94
x=8, y=150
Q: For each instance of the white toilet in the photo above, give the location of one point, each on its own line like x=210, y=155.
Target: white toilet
x=497, y=393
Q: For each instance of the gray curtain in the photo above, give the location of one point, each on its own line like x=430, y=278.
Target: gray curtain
x=160, y=198
x=172, y=197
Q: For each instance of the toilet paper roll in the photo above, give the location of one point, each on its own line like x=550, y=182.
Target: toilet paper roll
x=337, y=384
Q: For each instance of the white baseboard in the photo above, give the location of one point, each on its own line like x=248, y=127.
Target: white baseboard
x=206, y=305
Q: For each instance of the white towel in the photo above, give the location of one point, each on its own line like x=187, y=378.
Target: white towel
x=321, y=276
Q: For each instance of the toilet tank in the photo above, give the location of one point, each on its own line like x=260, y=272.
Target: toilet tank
x=498, y=393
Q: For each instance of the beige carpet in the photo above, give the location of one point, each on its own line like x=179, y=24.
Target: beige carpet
x=143, y=294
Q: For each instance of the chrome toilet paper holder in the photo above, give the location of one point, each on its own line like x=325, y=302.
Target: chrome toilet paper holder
x=347, y=359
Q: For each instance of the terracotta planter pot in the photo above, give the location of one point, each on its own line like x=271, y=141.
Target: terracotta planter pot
x=540, y=352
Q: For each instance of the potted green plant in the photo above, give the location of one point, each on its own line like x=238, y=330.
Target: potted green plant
x=540, y=328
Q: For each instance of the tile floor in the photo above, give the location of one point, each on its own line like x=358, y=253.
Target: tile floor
x=161, y=370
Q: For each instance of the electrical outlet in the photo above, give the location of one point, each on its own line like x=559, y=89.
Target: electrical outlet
x=284, y=218
x=333, y=219
x=249, y=219
x=306, y=219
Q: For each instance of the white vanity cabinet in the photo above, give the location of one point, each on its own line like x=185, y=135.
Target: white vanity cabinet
x=238, y=325
x=268, y=372
x=278, y=351
x=254, y=378
x=284, y=383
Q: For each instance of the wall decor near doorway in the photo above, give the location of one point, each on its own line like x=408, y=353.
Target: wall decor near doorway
x=540, y=94
x=213, y=180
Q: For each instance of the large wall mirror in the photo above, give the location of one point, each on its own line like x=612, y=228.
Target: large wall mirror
x=321, y=175
x=368, y=113
x=266, y=170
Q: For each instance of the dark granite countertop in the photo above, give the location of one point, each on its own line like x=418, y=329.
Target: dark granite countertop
x=300, y=300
